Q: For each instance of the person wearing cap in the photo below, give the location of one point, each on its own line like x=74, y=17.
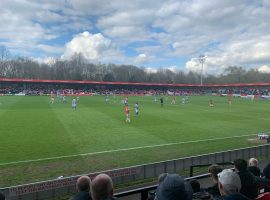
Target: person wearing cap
x=229, y=185
x=174, y=187
x=83, y=188
x=249, y=185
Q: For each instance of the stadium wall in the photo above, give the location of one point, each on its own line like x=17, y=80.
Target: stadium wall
x=63, y=186
x=19, y=80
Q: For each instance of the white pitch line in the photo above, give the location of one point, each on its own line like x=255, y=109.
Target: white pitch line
x=118, y=150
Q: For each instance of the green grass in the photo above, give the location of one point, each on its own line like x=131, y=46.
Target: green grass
x=31, y=128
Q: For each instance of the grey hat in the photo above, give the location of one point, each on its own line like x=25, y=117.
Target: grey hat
x=174, y=187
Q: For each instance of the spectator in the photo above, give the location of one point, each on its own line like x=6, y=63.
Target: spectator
x=2, y=197
x=197, y=192
x=161, y=177
x=249, y=186
x=253, y=167
x=102, y=187
x=83, y=188
x=266, y=171
x=229, y=185
x=174, y=187
x=214, y=170
x=196, y=186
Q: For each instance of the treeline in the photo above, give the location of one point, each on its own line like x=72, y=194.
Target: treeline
x=78, y=69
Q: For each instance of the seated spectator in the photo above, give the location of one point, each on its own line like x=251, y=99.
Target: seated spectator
x=249, y=186
x=152, y=194
x=253, y=167
x=266, y=171
x=214, y=170
x=197, y=192
x=161, y=177
x=102, y=187
x=229, y=185
x=83, y=188
x=196, y=186
x=2, y=197
x=174, y=187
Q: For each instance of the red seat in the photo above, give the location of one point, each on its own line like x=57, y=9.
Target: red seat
x=264, y=196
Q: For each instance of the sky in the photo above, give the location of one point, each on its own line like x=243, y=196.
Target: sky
x=151, y=34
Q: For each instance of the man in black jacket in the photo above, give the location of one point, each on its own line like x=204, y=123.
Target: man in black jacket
x=249, y=186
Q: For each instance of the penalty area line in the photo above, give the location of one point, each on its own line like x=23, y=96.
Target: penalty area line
x=119, y=150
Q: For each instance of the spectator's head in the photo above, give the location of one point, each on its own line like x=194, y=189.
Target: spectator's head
x=83, y=184
x=174, y=187
x=240, y=164
x=161, y=177
x=214, y=170
x=228, y=182
x=196, y=186
x=253, y=162
x=102, y=187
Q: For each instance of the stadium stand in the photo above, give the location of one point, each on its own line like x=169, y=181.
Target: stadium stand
x=68, y=87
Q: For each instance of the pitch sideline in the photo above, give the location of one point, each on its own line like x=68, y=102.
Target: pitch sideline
x=118, y=150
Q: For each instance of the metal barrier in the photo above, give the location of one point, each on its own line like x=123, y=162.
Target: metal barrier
x=143, y=191
x=64, y=186
x=206, y=165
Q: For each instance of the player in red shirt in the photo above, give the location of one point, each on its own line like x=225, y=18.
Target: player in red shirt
x=127, y=112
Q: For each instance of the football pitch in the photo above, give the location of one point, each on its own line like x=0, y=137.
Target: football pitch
x=41, y=141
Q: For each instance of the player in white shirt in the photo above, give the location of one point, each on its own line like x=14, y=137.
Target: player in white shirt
x=74, y=104
x=136, y=108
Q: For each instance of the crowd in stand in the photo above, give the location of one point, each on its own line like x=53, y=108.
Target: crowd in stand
x=244, y=182
x=61, y=89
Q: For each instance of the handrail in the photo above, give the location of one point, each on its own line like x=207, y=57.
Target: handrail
x=144, y=190
x=206, y=165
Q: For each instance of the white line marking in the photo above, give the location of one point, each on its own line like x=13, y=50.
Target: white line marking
x=118, y=150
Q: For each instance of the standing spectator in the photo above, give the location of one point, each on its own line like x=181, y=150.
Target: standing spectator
x=229, y=185
x=174, y=187
x=249, y=186
x=253, y=167
x=83, y=188
x=102, y=187
x=214, y=170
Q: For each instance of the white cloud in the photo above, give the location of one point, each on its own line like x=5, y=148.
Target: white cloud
x=231, y=32
x=193, y=65
x=150, y=70
x=142, y=58
x=264, y=69
x=46, y=60
x=94, y=47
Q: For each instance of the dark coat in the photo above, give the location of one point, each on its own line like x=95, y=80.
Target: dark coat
x=82, y=196
x=249, y=186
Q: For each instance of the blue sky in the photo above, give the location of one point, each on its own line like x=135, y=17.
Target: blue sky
x=146, y=33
